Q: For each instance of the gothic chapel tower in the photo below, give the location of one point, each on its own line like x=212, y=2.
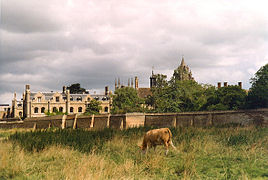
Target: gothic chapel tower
x=183, y=72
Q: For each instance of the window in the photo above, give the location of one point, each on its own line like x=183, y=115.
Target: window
x=57, y=99
x=36, y=110
x=106, y=109
x=43, y=110
x=71, y=109
x=79, y=98
x=20, y=114
x=61, y=109
x=80, y=109
x=88, y=99
x=19, y=105
x=71, y=98
x=38, y=99
x=55, y=109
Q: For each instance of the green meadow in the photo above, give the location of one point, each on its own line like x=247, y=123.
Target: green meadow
x=202, y=153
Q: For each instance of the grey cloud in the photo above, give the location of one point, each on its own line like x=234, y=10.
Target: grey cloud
x=94, y=42
x=27, y=17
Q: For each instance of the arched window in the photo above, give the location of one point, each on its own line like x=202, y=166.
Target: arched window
x=71, y=109
x=36, y=110
x=61, y=109
x=55, y=109
x=43, y=110
x=71, y=98
x=106, y=109
x=79, y=98
x=20, y=114
x=80, y=109
x=88, y=99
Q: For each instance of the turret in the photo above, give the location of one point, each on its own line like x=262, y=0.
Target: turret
x=27, y=102
x=136, y=82
x=152, y=80
x=14, y=105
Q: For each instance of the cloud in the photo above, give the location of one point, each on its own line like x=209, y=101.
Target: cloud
x=49, y=44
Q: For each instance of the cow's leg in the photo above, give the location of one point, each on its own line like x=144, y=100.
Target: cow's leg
x=171, y=143
x=166, y=145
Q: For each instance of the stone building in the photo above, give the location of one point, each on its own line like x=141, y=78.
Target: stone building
x=5, y=111
x=36, y=104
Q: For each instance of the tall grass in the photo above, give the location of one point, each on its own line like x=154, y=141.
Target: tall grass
x=203, y=153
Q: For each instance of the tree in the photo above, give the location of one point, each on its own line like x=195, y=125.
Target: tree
x=126, y=100
x=158, y=91
x=226, y=98
x=258, y=93
x=177, y=95
x=93, y=107
x=76, y=89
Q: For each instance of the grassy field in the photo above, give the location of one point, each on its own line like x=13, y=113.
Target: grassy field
x=203, y=153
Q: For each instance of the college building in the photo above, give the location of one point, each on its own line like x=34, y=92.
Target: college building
x=37, y=104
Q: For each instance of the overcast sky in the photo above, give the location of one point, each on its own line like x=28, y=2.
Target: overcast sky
x=52, y=43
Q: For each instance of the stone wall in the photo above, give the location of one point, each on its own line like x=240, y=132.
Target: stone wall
x=258, y=117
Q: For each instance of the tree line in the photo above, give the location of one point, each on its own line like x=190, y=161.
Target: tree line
x=183, y=96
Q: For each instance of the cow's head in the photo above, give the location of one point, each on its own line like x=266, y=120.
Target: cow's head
x=143, y=150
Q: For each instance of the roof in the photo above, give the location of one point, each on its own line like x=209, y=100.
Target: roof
x=144, y=92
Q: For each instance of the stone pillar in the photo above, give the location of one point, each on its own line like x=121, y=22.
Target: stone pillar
x=28, y=99
x=14, y=106
x=136, y=82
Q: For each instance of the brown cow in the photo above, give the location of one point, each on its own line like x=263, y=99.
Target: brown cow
x=157, y=137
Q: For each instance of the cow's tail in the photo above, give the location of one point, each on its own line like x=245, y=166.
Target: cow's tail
x=170, y=139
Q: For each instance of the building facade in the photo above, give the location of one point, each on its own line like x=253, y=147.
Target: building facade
x=37, y=104
x=5, y=111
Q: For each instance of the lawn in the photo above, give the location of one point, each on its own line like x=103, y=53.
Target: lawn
x=203, y=153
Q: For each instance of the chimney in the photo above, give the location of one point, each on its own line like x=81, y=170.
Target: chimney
x=106, y=90
x=119, y=85
x=15, y=95
x=225, y=84
x=27, y=87
x=240, y=85
x=136, y=82
x=219, y=85
x=64, y=89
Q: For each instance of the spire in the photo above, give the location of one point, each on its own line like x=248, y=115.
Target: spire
x=182, y=61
